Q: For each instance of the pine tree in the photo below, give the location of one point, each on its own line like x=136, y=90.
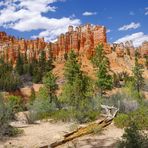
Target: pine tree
x=99, y=55
x=77, y=89
x=33, y=96
x=49, y=65
x=104, y=79
x=19, y=64
x=138, y=71
x=42, y=61
x=72, y=67
x=49, y=80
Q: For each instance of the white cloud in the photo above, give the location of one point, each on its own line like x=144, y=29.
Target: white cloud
x=137, y=38
x=131, y=13
x=56, y=27
x=146, y=11
x=108, y=30
x=27, y=15
x=129, y=26
x=87, y=13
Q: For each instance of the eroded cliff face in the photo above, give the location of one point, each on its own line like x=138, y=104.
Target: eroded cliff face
x=10, y=46
x=82, y=39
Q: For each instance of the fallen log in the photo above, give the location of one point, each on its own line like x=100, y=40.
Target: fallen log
x=90, y=128
x=82, y=131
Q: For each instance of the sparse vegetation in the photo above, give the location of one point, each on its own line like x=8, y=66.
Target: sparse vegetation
x=133, y=138
x=9, y=80
x=7, y=113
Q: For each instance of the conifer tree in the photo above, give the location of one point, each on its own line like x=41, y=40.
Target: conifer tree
x=138, y=71
x=19, y=64
x=72, y=67
x=77, y=89
x=49, y=80
x=104, y=79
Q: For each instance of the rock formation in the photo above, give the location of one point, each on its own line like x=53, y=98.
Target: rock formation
x=82, y=39
x=10, y=46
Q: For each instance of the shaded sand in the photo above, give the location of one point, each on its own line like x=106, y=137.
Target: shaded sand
x=45, y=133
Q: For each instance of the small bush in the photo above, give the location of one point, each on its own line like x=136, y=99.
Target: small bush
x=6, y=115
x=16, y=103
x=133, y=138
x=70, y=114
x=123, y=102
x=63, y=115
x=121, y=120
x=41, y=108
x=139, y=117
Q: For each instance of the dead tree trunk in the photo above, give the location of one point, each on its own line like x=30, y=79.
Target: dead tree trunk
x=110, y=114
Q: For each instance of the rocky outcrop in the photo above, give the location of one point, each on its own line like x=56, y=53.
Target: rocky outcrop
x=127, y=48
x=144, y=49
x=10, y=46
x=82, y=40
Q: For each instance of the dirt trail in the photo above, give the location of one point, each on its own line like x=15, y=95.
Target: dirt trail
x=45, y=133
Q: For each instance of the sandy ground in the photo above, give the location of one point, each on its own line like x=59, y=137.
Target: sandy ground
x=45, y=133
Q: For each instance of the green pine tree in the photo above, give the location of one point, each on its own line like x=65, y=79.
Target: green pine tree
x=49, y=81
x=72, y=67
x=19, y=64
x=78, y=87
x=104, y=79
x=138, y=71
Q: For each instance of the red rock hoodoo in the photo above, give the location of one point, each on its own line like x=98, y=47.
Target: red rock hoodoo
x=82, y=39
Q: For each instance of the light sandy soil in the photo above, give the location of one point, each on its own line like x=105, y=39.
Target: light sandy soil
x=105, y=139
x=45, y=133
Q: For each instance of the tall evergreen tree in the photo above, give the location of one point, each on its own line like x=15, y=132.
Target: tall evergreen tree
x=42, y=61
x=138, y=71
x=19, y=64
x=72, y=67
x=104, y=79
x=77, y=89
x=49, y=80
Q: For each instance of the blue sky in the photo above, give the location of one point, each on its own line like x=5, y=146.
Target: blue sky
x=124, y=19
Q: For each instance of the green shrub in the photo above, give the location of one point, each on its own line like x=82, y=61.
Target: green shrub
x=6, y=115
x=41, y=108
x=122, y=101
x=63, y=115
x=16, y=103
x=139, y=117
x=121, y=120
x=133, y=138
x=71, y=114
